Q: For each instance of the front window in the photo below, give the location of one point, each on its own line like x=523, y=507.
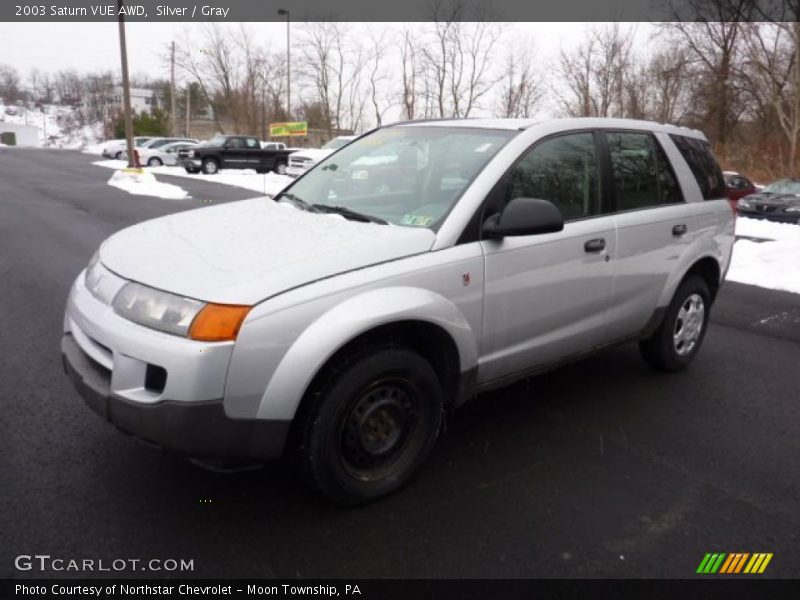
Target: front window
x=409, y=176
x=217, y=141
x=783, y=186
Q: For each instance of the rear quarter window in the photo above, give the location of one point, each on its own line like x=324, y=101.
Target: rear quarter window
x=706, y=171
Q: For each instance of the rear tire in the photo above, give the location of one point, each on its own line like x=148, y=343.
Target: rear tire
x=280, y=168
x=679, y=337
x=210, y=166
x=154, y=162
x=371, y=423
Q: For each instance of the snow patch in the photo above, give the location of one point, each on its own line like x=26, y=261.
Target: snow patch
x=145, y=184
x=773, y=264
x=267, y=184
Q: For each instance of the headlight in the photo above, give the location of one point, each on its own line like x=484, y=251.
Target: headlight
x=795, y=208
x=154, y=308
x=743, y=203
x=177, y=315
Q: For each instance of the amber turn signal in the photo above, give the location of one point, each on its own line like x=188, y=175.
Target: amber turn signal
x=218, y=322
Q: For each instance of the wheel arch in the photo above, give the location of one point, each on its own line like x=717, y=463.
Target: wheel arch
x=708, y=269
x=422, y=320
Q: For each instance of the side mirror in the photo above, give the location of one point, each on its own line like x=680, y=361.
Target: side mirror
x=524, y=216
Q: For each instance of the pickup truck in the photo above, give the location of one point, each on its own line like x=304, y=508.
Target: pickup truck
x=233, y=152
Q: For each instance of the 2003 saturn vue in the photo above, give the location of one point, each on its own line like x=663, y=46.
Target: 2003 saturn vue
x=417, y=266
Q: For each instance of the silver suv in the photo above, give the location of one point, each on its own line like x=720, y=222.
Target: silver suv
x=417, y=266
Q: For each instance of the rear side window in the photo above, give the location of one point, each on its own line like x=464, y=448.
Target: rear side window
x=707, y=173
x=642, y=174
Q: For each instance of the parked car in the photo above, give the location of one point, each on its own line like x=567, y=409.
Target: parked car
x=737, y=186
x=157, y=143
x=233, y=152
x=117, y=148
x=302, y=160
x=339, y=321
x=779, y=201
x=163, y=155
x=12, y=110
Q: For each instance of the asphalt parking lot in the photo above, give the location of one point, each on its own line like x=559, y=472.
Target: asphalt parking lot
x=599, y=469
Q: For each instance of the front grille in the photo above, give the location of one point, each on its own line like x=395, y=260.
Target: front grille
x=299, y=162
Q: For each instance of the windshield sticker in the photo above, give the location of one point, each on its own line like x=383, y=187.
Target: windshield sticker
x=416, y=220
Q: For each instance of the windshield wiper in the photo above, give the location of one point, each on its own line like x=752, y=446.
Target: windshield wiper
x=348, y=213
x=297, y=201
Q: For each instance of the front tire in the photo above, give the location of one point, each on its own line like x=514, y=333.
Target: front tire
x=372, y=422
x=680, y=335
x=118, y=155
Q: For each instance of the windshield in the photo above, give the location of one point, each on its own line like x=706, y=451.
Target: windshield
x=336, y=143
x=408, y=176
x=783, y=186
x=217, y=141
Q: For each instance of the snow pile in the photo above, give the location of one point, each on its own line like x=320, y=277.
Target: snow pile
x=60, y=124
x=773, y=264
x=268, y=183
x=142, y=183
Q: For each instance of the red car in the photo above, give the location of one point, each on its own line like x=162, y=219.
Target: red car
x=737, y=186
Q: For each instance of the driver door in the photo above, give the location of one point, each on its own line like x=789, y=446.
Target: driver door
x=546, y=296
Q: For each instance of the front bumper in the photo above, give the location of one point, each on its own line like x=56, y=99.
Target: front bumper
x=108, y=359
x=296, y=171
x=776, y=216
x=197, y=429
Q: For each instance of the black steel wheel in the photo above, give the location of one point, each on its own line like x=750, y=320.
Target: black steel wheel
x=371, y=424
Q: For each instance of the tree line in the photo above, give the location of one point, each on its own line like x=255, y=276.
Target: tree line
x=732, y=73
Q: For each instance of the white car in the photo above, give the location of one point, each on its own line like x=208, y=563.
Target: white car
x=118, y=148
x=341, y=320
x=163, y=155
x=302, y=160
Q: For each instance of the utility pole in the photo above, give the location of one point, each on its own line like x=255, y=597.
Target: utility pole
x=283, y=11
x=126, y=89
x=173, y=113
x=188, y=110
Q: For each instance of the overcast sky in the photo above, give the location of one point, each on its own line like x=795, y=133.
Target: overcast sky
x=94, y=46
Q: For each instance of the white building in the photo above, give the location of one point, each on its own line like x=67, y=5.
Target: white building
x=142, y=100
x=26, y=135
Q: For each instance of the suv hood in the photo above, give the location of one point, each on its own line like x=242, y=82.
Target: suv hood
x=244, y=252
x=315, y=154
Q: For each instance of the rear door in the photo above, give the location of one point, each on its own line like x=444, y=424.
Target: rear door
x=546, y=296
x=654, y=227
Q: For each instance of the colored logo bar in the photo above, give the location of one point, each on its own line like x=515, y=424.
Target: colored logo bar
x=734, y=563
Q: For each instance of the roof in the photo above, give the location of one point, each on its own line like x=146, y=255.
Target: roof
x=577, y=123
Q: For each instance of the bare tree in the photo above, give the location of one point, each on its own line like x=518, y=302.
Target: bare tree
x=9, y=84
x=379, y=83
x=713, y=38
x=522, y=88
x=457, y=63
x=332, y=67
x=595, y=72
x=411, y=73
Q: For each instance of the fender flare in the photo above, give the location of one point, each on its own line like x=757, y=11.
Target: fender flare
x=348, y=320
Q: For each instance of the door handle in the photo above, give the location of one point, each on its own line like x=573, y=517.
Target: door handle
x=679, y=230
x=595, y=245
